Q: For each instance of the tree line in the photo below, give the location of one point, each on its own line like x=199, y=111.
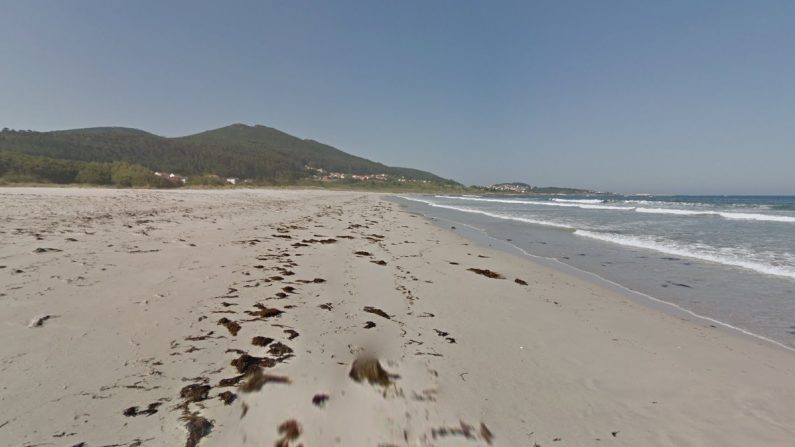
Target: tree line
x=20, y=168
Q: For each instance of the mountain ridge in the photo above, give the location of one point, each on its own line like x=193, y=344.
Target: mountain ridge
x=257, y=152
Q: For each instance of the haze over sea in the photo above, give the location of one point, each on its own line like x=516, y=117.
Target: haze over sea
x=728, y=258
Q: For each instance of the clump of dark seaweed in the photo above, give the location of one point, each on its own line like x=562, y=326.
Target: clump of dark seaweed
x=279, y=349
x=150, y=410
x=520, y=281
x=369, y=369
x=319, y=241
x=46, y=250
x=247, y=363
x=232, y=381
x=377, y=311
x=319, y=400
x=464, y=430
x=194, y=392
x=233, y=327
x=292, y=333
x=487, y=273
x=257, y=379
x=227, y=397
x=198, y=427
x=265, y=312
x=261, y=341
x=290, y=431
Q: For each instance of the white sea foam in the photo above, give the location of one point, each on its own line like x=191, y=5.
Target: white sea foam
x=753, y=216
x=703, y=253
x=663, y=203
x=725, y=215
x=677, y=212
x=591, y=205
x=539, y=202
x=579, y=200
x=494, y=215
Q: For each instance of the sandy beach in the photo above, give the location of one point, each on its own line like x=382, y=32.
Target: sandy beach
x=287, y=318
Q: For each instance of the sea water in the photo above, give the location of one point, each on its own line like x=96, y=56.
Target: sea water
x=727, y=258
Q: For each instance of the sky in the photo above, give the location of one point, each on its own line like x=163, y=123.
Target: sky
x=626, y=96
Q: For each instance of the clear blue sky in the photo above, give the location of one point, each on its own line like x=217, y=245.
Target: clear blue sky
x=635, y=96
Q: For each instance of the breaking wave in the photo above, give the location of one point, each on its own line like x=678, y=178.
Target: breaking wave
x=703, y=252
x=494, y=215
x=593, y=204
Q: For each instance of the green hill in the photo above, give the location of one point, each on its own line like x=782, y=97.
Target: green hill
x=259, y=153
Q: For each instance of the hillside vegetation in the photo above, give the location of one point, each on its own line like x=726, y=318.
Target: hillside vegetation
x=21, y=168
x=260, y=153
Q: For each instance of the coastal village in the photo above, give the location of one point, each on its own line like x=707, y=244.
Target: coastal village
x=322, y=175
x=319, y=174
x=330, y=176
x=524, y=188
x=519, y=188
x=179, y=179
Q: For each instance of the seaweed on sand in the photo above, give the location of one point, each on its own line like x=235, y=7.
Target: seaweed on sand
x=264, y=312
x=227, y=397
x=487, y=273
x=261, y=341
x=290, y=431
x=198, y=427
x=257, y=379
x=369, y=369
x=319, y=400
x=233, y=327
x=194, y=392
x=377, y=311
x=279, y=349
x=246, y=364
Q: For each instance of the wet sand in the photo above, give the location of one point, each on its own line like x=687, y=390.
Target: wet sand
x=146, y=318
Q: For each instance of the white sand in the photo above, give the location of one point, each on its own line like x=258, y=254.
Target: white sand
x=558, y=362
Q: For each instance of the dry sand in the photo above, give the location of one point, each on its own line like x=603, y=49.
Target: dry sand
x=110, y=303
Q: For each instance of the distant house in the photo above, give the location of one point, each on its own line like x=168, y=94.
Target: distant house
x=172, y=177
x=177, y=178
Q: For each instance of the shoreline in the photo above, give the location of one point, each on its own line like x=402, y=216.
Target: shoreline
x=238, y=318
x=723, y=294
x=652, y=302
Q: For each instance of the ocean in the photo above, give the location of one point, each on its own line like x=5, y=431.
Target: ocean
x=730, y=259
